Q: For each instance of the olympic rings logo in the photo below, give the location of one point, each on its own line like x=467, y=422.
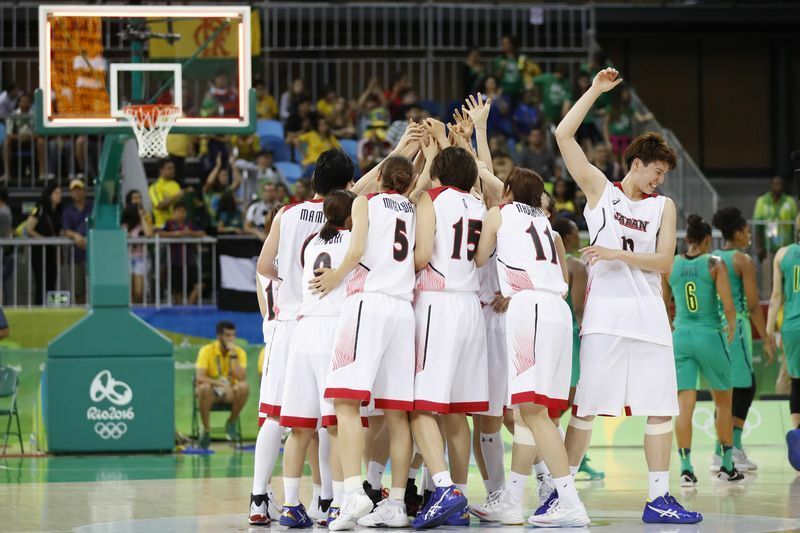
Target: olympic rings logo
x=703, y=419
x=105, y=387
x=110, y=430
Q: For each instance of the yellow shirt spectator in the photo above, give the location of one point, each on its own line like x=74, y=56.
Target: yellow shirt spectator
x=160, y=190
x=216, y=364
x=179, y=144
x=248, y=145
x=315, y=145
x=325, y=108
x=266, y=107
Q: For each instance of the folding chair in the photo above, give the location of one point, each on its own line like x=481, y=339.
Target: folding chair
x=9, y=385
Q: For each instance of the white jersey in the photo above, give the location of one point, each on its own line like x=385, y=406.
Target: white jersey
x=298, y=222
x=526, y=252
x=459, y=218
x=387, y=266
x=622, y=300
x=323, y=254
x=489, y=281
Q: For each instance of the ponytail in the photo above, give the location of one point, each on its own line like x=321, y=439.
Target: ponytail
x=337, y=208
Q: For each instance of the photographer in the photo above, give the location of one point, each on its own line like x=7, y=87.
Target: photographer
x=255, y=219
x=221, y=379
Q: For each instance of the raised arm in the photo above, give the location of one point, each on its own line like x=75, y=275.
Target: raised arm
x=488, y=240
x=478, y=111
x=588, y=177
x=269, y=251
x=426, y=228
x=212, y=176
x=776, y=300
x=747, y=270
x=237, y=174
x=720, y=274
x=328, y=279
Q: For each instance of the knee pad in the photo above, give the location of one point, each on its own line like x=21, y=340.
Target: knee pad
x=584, y=425
x=522, y=433
x=742, y=400
x=661, y=428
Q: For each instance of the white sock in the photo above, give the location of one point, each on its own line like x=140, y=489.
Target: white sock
x=658, y=484
x=462, y=487
x=291, y=491
x=442, y=479
x=565, y=486
x=351, y=485
x=268, y=445
x=515, y=486
x=493, y=454
x=540, y=468
x=397, y=494
x=324, y=464
x=562, y=432
x=412, y=474
x=338, y=493
x=374, y=474
x=315, y=493
x=573, y=470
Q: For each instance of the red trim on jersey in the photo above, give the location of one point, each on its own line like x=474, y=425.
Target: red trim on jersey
x=316, y=200
x=449, y=408
x=299, y=422
x=289, y=206
x=313, y=201
x=539, y=399
x=371, y=195
x=269, y=410
x=436, y=191
x=396, y=405
x=348, y=394
x=501, y=206
x=618, y=185
x=627, y=411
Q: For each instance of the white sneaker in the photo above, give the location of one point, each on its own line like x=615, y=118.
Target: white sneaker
x=315, y=512
x=546, y=487
x=274, y=510
x=716, y=463
x=354, y=507
x=499, y=508
x=258, y=511
x=388, y=513
x=561, y=516
x=742, y=462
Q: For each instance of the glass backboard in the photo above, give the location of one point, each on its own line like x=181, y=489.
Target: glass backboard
x=96, y=59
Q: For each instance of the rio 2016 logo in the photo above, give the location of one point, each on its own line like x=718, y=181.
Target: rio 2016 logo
x=110, y=421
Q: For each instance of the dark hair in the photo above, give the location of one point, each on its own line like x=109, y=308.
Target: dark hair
x=130, y=216
x=526, y=186
x=227, y=203
x=563, y=226
x=334, y=170
x=569, y=193
x=513, y=40
x=455, y=167
x=264, y=153
x=4, y=194
x=729, y=220
x=650, y=147
x=164, y=162
x=44, y=198
x=129, y=196
x=337, y=207
x=697, y=229
x=222, y=325
x=10, y=86
x=396, y=173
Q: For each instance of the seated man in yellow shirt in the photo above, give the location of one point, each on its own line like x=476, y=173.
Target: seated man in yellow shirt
x=221, y=379
x=316, y=141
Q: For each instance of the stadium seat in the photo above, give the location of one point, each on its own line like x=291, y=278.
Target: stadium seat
x=2, y=133
x=512, y=146
x=280, y=150
x=9, y=385
x=217, y=407
x=350, y=147
x=270, y=128
x=291, y=171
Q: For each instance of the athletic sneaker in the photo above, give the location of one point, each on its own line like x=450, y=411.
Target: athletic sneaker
x=742, y=462
x=444, y=501
x=793, y=444
x=688, y=479
x=295, y=516
x=716, y=463
x=356, y=506
x=316, y=512
x=230, y=430
x=587, y=473
x=546, y=487
x=388, y=513
x=259, y=513
x=412, y=498
x=272, y=508
x=333, y=514
x=204, y=442
x=458, y=519
x=500, y=508
x=666, y=510
x=549, y=503
x=562, y=516
x=376, y=495
x=731, y=476
x=426, y=495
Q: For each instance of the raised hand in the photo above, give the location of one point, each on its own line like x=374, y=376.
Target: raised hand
x=429, y=148
x=478, y=110
x=437, y=130
x=464, y=125
x=606, y=79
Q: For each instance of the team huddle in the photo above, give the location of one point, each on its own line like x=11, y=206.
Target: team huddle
x=431, y=290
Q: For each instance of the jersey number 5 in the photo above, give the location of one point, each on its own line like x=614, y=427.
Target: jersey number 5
x=400, y=240
x=691, y=296
x=537, y=244
x=473, y=236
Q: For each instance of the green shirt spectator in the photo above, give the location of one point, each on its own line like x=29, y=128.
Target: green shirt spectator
x=507, y=68
x=555, y=94
x=776, y=212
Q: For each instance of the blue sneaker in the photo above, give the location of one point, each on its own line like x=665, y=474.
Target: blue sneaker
x=666, y=510
x=444, y=501
x=294, y=516
x=548, y=503
x=458, y=519
x=333, y=513
x=793, y=443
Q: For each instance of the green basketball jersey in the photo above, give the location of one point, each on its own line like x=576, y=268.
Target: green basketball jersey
x=737, y=287
x=696, y=299
x=569, y=300
x=790, y=269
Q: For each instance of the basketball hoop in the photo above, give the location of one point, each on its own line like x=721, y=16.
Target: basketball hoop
x=151, y=124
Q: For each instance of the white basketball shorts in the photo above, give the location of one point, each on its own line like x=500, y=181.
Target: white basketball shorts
x=497, y=357
x=623, y=375
x=276, y=353
x=307, y=373
x=539, y=344
x=373, y=356
x=451, y=365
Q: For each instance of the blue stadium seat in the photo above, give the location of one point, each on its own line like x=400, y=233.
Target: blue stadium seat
x=280, y=150
x=512, y=147
x=291, y=171
x=350, y=147
x=2, y=132
x=270, y=128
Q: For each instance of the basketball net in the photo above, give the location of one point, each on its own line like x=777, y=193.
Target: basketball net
x=151, y=124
